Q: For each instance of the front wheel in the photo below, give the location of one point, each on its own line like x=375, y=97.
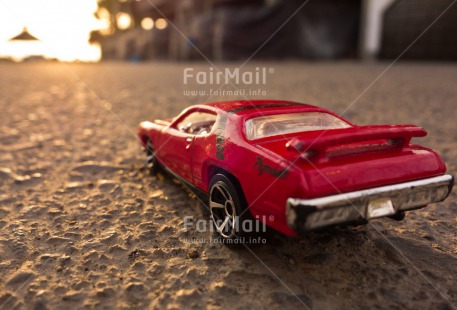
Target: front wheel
x=151, y=159
x=228, y=210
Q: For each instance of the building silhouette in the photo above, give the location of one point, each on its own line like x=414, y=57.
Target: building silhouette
x=239, y=29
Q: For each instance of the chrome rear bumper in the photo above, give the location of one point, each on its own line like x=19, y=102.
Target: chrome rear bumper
x=308, y=214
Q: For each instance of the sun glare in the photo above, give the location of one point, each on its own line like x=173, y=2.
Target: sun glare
x=62, y=27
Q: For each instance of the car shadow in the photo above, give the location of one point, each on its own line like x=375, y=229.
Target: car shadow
x=341, y=265
x=371, y=266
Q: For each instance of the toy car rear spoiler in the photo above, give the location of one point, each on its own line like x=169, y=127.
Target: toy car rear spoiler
x=317, y=144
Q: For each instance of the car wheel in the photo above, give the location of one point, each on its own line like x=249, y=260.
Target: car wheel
x=228, y=209
x=151, y=159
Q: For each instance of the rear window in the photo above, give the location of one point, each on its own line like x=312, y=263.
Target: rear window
x=273, y=125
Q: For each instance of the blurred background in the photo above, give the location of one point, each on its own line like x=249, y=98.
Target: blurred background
x=138, y=30
x=82, y=225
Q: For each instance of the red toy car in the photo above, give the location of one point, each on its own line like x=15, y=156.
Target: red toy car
x=294, y=167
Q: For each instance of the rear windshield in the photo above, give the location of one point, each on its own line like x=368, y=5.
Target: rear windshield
x=273, y=125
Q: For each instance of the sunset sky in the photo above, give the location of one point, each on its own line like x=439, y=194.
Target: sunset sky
x=63, y=26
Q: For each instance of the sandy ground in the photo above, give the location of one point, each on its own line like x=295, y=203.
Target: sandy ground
x=82, y=224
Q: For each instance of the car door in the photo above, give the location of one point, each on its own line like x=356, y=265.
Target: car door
x=175, y=151
x=176, y=146
x=206, y=145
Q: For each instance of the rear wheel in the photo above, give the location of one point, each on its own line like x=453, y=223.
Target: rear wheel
x=151, y=159
x=228, y=210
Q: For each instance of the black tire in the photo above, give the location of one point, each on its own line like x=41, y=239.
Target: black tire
x=228, y=211
x=151, y=159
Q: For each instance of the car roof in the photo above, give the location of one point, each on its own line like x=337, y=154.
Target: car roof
x=247, y=107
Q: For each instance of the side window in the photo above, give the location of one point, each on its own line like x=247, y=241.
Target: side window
x=197, y=123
